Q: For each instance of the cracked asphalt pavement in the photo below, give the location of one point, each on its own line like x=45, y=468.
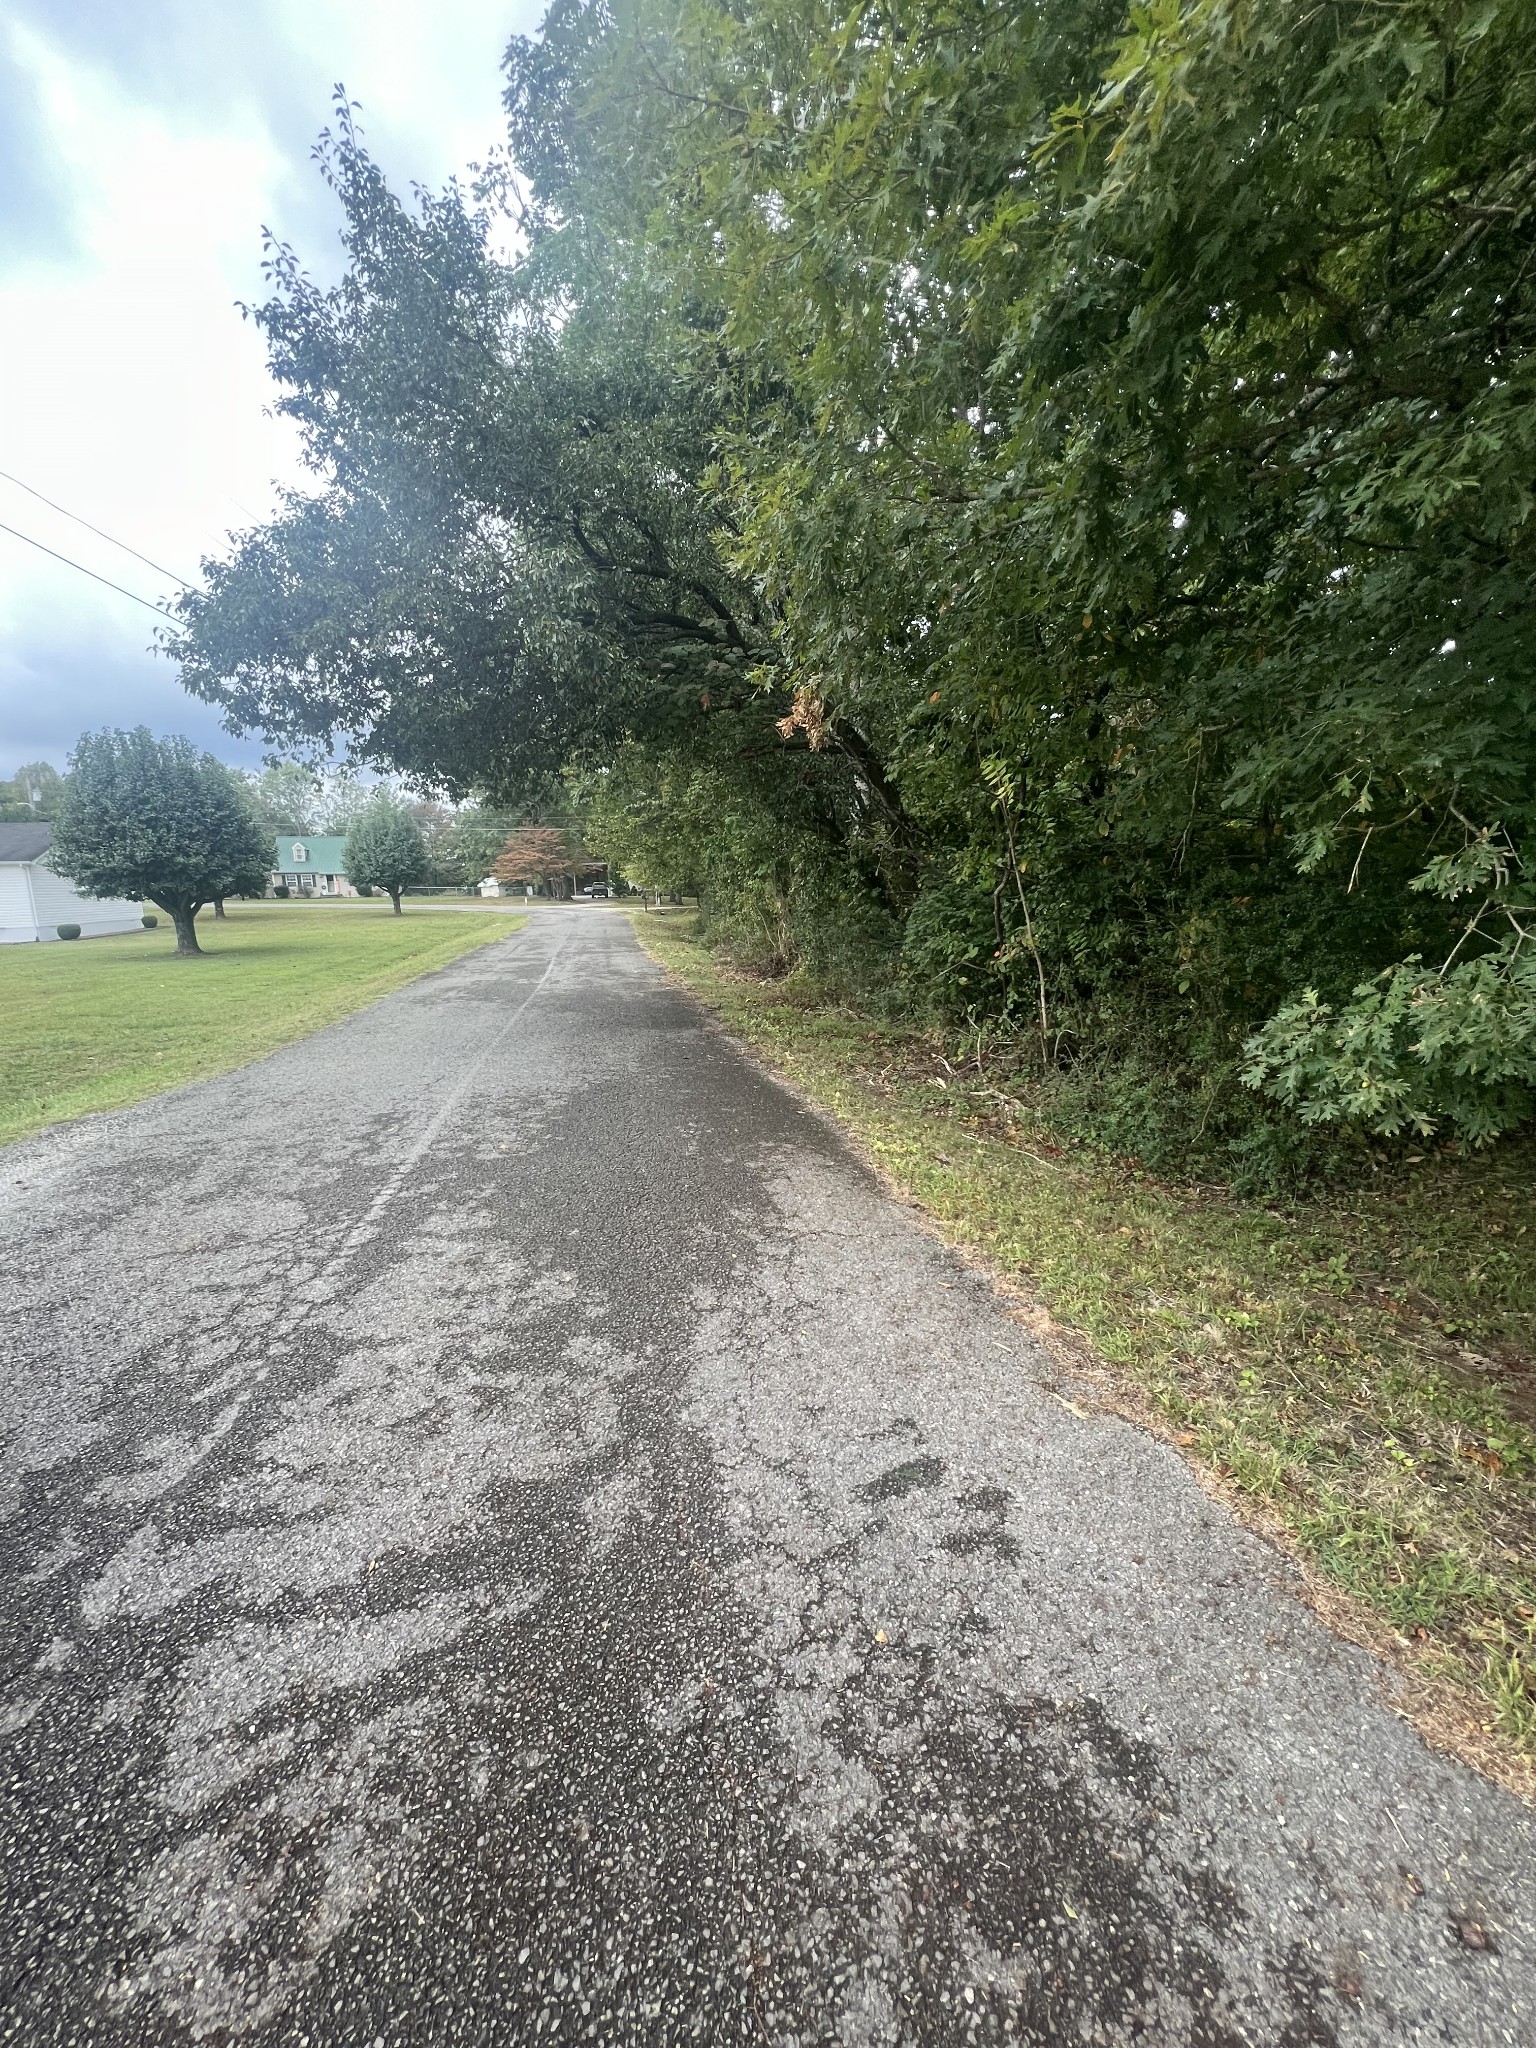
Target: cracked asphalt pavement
x=513, y=1536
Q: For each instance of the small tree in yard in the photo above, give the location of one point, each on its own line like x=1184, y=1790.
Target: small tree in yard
x=155, y=818
x=385, y=850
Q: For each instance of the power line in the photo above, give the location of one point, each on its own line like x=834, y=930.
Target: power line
x=99, y=531
x=159, y=609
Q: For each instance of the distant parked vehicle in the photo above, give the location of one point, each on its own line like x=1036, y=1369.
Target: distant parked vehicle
x=595, y=889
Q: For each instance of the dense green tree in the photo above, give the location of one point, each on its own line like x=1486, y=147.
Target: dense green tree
x=385, y=849
x=435, y=823
x=1039, y=496
x=291, y=797
x=526, y=570
x=1148, y=464
x=142, y=817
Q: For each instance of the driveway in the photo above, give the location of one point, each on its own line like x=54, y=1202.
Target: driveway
x=514, y=1537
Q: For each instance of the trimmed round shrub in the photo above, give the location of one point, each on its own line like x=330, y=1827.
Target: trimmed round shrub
x=67, y=931
x=149, y=923
x=281, y=889
x=365, y=888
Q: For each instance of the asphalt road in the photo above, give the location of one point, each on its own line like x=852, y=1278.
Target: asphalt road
x=512, y=1536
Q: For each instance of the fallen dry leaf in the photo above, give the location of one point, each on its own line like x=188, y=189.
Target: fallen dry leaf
x=1472, y=1934
x=1478, y=1456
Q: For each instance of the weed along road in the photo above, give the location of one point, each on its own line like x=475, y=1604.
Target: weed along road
x=513, y=1536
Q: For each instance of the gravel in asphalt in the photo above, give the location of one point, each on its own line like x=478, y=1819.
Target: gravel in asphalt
x=513, y=1536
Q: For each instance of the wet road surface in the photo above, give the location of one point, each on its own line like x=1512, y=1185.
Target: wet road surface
x=511, y=1536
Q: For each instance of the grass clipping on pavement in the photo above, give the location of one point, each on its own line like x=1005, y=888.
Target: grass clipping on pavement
x=100, y=1023
x=1351, y=1372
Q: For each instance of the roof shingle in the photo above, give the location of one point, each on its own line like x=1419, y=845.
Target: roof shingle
x=24, y=842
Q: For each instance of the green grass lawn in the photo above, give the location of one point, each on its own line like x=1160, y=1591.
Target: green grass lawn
x=1354, y=1369
x=102, y=1022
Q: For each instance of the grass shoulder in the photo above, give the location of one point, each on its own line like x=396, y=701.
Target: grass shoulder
x=1352, y=1370
x=102, y=1023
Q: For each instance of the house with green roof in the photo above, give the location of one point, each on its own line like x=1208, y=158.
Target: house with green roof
x=311, y=864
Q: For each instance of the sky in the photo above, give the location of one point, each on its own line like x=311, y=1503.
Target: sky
x=144, y=147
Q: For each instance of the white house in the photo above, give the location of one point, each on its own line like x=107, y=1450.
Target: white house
x=34, y=901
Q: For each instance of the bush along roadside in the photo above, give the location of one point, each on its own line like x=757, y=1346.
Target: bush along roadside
x=1351, y=1369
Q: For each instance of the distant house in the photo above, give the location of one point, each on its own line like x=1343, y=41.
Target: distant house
x=311, y=865
x=34, y=901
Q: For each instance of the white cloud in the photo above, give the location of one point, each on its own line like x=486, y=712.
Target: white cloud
x=130, y=388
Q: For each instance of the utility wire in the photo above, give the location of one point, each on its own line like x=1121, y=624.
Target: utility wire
x=159, y=609
x=100, y=532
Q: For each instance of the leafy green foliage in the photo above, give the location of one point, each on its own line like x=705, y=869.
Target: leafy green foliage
x=1411, y=1049
x=1419, y=1046
x=1044, y=494
x=385, y=849
x=142, y=817
x=1147, y=439
x=519, y=564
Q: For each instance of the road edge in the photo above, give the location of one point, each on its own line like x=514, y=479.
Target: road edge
x=1438, y=1710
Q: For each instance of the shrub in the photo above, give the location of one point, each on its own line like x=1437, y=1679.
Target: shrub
x=149, y=923
x=949, y=950
x=281, y=889
x=67, y=931
x=365, y=888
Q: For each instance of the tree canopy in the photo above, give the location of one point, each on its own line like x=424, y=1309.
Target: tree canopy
x=1028, y=507
x=290, y=796
x=142, y=817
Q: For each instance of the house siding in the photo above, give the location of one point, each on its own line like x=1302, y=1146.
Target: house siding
x=17, y=919
x=34, y=902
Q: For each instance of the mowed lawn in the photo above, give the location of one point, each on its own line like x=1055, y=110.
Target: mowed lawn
x=98, y=1023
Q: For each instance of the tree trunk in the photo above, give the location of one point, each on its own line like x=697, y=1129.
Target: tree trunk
x=184, y=917
x=394, y=897
x=218, y=906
